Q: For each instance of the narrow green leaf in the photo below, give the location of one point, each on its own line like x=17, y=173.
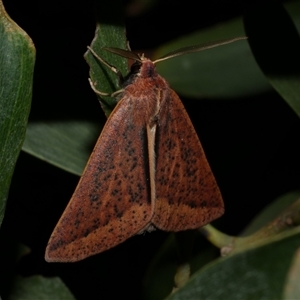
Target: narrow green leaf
x=69, y=145
x=66, y=145
x=223, y=72
x=17, y=56
x=109, y=33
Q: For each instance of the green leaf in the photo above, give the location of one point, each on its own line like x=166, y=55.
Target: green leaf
x=111, y=34
x=38, y=287
x=225, y=72
x=275, y=43
x=68, y=145
x=17, y=56
x=257, y=272
x=222, y=72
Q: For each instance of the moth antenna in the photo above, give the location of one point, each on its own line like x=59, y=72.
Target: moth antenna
x=197, y=48
x=124, y=53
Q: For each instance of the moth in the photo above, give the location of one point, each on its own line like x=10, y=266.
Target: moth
x=148, y=170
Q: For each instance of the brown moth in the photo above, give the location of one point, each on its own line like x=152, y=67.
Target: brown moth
x=148, y=170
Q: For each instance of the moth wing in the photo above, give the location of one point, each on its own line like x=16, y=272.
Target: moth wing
x=111, y=201
x=187, y=195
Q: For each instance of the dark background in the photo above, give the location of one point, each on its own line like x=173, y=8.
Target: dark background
x=256, y=136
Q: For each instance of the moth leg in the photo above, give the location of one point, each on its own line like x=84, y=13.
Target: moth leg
x=102, y=93
x=128, y=46
x=112, y=68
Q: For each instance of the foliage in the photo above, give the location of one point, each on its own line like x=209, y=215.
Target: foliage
x=247, y=130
